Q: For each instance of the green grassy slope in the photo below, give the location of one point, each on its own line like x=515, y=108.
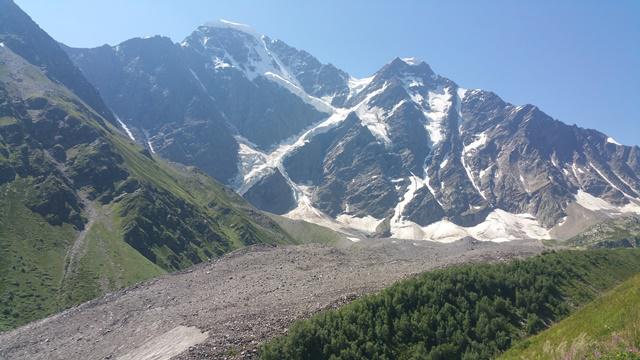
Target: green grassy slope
x=107, y=263
x=463, y=312
x=606, y=328
x=32, y=253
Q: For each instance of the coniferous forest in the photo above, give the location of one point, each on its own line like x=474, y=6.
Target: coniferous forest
x=463, y=312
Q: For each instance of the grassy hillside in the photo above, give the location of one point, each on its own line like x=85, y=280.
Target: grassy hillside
x=32, y=253
x=86, y=211
x=606, y=328
x=107, y=262
x=463, y=312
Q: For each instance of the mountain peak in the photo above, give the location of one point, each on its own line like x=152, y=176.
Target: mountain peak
x=412, y=60
x=406, y=67
x=226, y=24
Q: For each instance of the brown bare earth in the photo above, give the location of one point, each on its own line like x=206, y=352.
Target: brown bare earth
x=225, y=308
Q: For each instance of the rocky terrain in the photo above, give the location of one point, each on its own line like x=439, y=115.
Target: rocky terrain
x=225, y=308
x=612, y=233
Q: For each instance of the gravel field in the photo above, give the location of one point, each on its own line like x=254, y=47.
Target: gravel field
x=225, y=308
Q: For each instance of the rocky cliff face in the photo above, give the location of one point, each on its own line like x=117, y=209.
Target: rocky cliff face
x=161, y=102
x=405, y=153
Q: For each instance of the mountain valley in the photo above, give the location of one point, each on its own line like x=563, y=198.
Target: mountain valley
x=230, y=196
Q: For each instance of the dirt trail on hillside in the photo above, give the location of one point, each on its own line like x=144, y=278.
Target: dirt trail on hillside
x=76, y=250
x=225, y=308
x=78, y=247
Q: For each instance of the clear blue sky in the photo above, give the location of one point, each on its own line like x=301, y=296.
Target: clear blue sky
x=579, y=61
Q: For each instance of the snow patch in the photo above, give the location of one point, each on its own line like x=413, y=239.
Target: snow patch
x=397, y=106
x=250, y=158
x=480, y=141
x=306, y=211
x=328, y=98
x=415, y=183
x=427, y=182
x=632, y=207
x=467, y=169
x=167, y=345
x=373, y=117
x=317, y=103
x=439, y=104
x=220, y=64
x=357, y=85
x=611, y=140
x=411, y=61
x=499, y=226
x=562, y=221
x=367, y=224
x=435, y=107
x=462, y=92
x=353, y=239
x=524, y=183
x=126, y=129
x=592, y=203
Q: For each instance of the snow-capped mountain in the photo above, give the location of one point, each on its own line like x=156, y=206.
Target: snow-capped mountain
x=404, y=153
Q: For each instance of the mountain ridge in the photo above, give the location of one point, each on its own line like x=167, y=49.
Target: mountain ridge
x=26, y=38
x=427, y=159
